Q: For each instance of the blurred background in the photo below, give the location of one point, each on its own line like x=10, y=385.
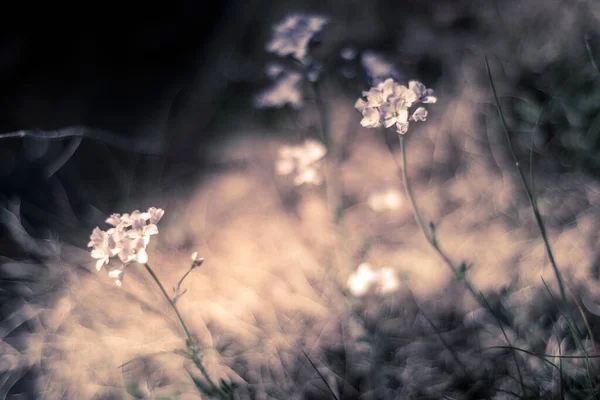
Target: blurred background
x=107, y=110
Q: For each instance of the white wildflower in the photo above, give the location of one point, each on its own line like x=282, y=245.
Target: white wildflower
x=303, y=161
x=127, y=239
x=387, y=200
x=285, y=90
x=389, y=104
x=292, y=36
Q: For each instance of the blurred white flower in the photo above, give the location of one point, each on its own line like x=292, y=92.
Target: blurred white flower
x=377, y=68
x=361, y=281
x=293, y=35
x=389, y=103
x=365, y=278
x=348, y=53
x=127, y=239
x=303, y=161
x=386, y=200
x=273, y=70
x=285, y=90
x=388, y=281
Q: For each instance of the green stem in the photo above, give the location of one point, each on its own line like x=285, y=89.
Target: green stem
x=181, y=281
x=532, y=202
x=190, y=342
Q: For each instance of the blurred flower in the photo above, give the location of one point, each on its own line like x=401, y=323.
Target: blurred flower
x=389, y=103
x=387, y=200
x=348, y=53
x=127, y=239
x=388, y=281
x=285, y=90
x=365, y=278
x=302, y=161
x=377, y=68
x=274, y=70
x=361, y=281
x=293, y=35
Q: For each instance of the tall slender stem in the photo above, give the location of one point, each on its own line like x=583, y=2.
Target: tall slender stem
x=429, y=235
x=190, y=341
x=530, y=197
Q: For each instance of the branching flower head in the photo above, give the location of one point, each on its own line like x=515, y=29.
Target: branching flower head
x=127, y=239
x=389, y=104
x=293, y=35
x=302, y=161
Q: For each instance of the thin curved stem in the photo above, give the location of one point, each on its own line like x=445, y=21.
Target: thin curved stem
x=190, y=341
x=429, y=234
x=530, y=196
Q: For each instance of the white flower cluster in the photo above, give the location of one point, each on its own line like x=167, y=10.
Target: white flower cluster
x=365, y=278
x=303, y=161
x=389, y=104
x=127, y=239
x=285, y=90
x=293, y=35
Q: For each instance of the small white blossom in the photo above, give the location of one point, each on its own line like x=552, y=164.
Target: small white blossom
x=387, y=200
x=293, y=35
x=303, y=161
x=420, y=114
x=423, y=94
x=371, y=118
x=394, y=112
x=285, y=90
